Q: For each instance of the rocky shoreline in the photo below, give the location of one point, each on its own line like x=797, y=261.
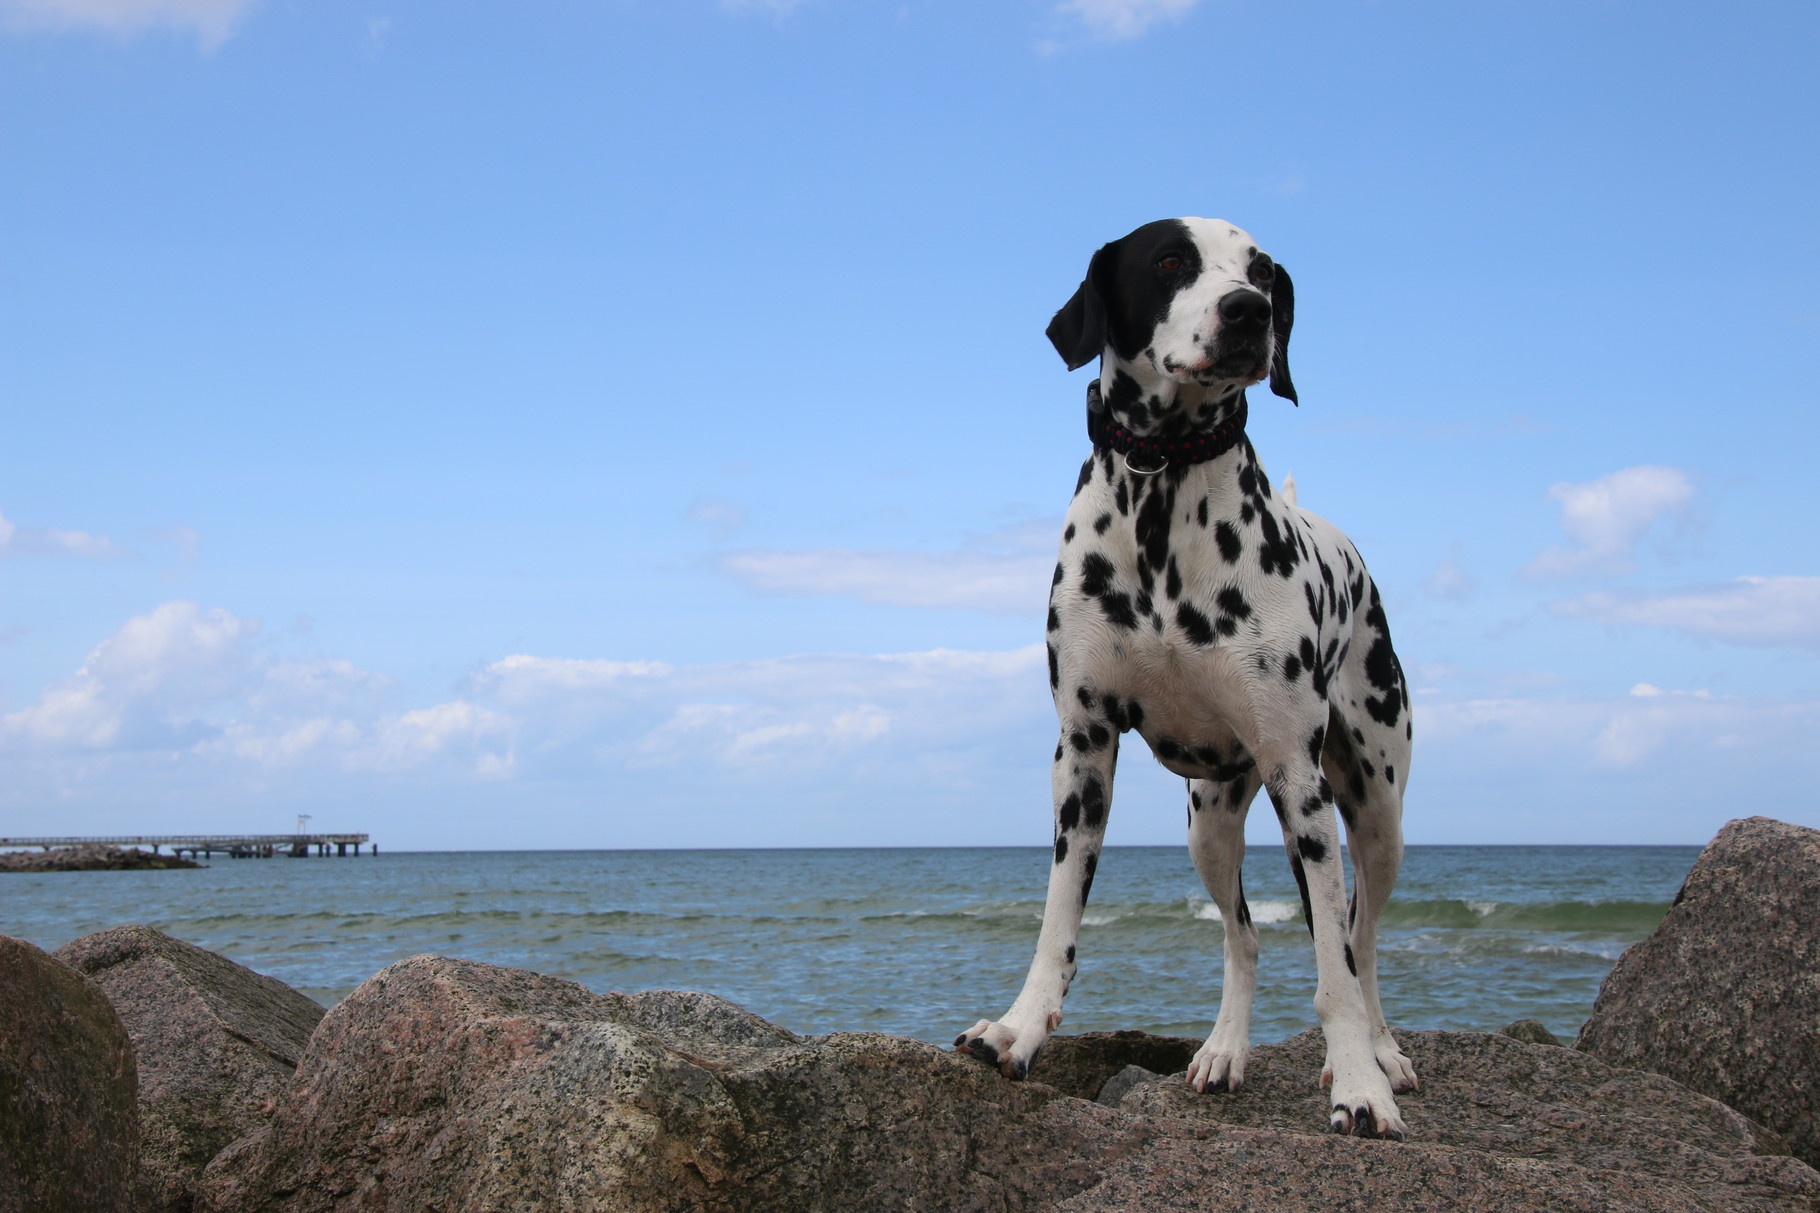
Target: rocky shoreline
x=90, y=859
x=140, y=1073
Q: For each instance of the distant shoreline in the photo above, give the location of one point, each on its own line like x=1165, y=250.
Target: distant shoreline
x=1134, y=846
x=90, y=859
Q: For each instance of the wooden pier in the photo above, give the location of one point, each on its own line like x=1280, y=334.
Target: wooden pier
x=237, y=846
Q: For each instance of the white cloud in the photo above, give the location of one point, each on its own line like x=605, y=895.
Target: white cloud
x=1450, y=579
x=775, y=8
x=211, y=20
x=197, y=684
x=185, y=717
x=1614, y=732
x=140, y=686
x=1606, y=518
x=522, y=679
x=1114, y=20
x=181, y=680
x=808, y=707
x=49, y=541
x=720, y=515
x=408, y=740
x=1772, y=612
x=985, y=581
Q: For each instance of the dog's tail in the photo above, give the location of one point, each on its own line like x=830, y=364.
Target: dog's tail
x=1289, y=490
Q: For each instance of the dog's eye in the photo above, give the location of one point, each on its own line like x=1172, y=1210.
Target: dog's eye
x=1170, y=262
x=1263, y=271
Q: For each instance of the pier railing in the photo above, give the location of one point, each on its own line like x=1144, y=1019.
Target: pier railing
x=240, y=846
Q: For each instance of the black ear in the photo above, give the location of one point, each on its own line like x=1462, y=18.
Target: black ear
x=1282, y=317
x=1078, y=331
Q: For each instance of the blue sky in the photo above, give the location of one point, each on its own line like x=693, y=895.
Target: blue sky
x=630, y=424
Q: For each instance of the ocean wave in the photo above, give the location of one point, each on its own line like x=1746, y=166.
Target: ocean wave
x=1620, y=916
x=1263, y=913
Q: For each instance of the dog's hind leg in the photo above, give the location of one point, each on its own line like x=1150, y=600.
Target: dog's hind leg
x=1371, y=805
x=1361, y=1098
x=1375, y=837
x=1216, y=842
x=1082, y=786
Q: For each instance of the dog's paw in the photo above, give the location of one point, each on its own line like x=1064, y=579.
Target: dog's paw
x=1363, y=1105
x=1218, y=1067
x=1397, y=1068
x=1001, y=1046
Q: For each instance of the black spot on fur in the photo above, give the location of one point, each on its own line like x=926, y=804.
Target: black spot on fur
x=1055, y=671
x=1152, y=525
x=1055, y=621
x=1234, y=604
x=1277, y=553
x=1124, y=393
x=1093, y=802
x=1096, y=575
x=1197, y=626
x=1311, y=848
x=1351, y=965
x=1390, y=773
x=1117, y=607
x=1061, y=847
x=1292, y=667
x=1093, y=863
x=1172, y=587
x=1200, y=513
x=1086, y=697
x=1312, y=806
x=1301, y=884
x=1228, y=539
x=1068, y=533
x=1086, y=476
x=1069, y=815
x=1101, y=523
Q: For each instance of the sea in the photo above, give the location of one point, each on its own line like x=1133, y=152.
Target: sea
x=922, y=942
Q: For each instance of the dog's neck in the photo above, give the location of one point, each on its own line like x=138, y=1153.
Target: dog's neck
x=1152, y=404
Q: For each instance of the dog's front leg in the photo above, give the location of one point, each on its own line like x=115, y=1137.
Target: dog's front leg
x=1082, y=786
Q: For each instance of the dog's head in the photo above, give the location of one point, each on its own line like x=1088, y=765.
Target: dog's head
x=1189, y=300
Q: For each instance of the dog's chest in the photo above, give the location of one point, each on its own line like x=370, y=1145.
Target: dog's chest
x=1175, y=593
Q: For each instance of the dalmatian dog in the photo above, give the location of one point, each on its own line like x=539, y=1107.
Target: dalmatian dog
x=1238, y=634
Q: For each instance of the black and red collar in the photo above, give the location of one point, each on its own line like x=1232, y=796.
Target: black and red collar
x=1156, y=453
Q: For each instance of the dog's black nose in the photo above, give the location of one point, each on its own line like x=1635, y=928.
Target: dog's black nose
x=1245, y=310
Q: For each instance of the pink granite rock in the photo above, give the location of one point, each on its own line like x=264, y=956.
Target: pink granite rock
x=217, y=1044
x=69, y=1136
x=1724, y=996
